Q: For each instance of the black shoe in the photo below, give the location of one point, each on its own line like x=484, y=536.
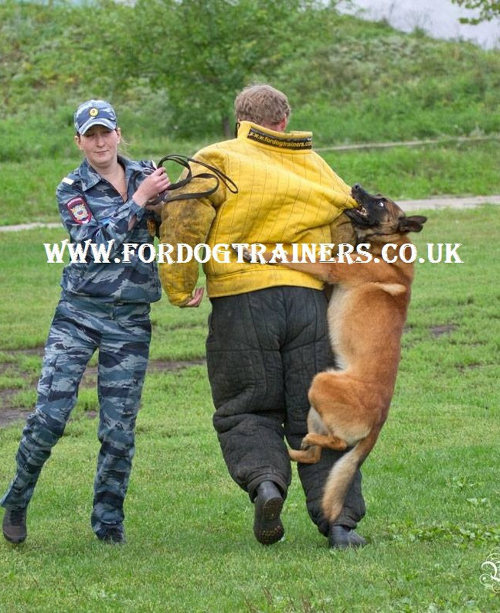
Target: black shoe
x=114, y=535
x=14, y=525
x=342, y=537
x=267, y=526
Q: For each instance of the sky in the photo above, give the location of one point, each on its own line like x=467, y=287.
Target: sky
x=437, y=17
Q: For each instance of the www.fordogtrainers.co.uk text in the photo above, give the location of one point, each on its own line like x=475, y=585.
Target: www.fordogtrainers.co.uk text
x=181, y=253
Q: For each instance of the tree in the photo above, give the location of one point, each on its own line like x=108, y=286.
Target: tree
x=203, y=52
x=488, y=10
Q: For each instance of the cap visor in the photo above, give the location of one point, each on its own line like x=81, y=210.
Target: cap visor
x=107, y=123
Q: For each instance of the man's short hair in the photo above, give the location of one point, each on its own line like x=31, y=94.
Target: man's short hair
x=261, y=104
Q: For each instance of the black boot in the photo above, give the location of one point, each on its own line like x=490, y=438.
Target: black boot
x=267, y=526
x=342, y=537
x=14, y=525
x=114, y=534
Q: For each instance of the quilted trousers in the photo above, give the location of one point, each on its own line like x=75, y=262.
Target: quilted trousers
x=263, y=349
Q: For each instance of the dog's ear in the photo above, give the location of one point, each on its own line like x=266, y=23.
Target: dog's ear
x=415, y=223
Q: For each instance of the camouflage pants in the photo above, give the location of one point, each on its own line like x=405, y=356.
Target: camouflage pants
x=122, y=334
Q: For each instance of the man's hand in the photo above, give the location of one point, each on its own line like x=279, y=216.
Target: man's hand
x=196, y=298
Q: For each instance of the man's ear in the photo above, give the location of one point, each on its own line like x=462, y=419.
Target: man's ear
x=415, y=223
x=283, y=124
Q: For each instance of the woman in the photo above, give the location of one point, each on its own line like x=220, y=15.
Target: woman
x=103, y=306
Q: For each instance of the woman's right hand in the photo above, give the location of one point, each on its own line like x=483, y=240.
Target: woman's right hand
x=153, y=185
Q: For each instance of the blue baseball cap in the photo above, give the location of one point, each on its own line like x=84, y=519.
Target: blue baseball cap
x=94, y=113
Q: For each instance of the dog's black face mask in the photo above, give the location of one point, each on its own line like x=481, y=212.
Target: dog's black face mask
x=379, y=215
x=371, y=209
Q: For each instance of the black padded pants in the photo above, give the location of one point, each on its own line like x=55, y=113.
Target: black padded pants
x=263, y=349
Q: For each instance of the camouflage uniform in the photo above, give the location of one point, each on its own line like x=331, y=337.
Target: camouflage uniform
x=103, y=306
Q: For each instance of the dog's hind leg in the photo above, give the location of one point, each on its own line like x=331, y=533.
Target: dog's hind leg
x=310, y=450
x=312, y=444
x=324, y=440
x=318, y=433
x=311, y=455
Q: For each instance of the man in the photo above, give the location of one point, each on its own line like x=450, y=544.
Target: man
x=268, y=335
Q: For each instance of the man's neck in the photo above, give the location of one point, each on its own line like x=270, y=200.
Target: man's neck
x=276, y=127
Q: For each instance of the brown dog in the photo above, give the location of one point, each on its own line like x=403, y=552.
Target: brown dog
x=366, y=315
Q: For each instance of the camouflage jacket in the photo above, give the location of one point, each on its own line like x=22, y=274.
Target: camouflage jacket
x=113, y=267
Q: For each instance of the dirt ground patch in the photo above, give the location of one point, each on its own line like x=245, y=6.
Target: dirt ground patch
x=10, y=412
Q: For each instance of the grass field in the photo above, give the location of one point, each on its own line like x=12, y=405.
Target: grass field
x=431, y=484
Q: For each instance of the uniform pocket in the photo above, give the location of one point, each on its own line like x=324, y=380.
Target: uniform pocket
x=135, y=319
x=46, y=377
x=73, y=276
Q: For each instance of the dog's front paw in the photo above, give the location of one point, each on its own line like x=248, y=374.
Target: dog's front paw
x=243, y=253
x=306, y=443
x=246, y=255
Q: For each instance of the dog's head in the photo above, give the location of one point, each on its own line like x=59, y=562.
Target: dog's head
x=379, y=216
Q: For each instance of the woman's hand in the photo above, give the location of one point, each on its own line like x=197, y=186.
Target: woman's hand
x=153, y=185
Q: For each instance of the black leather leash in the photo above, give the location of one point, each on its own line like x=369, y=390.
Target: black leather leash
x=217, y=175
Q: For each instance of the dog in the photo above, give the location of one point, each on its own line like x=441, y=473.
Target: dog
x=366, y=314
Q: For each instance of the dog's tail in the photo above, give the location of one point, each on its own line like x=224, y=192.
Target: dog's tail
x=343, y=472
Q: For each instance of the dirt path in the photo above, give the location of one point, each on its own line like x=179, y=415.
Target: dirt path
x=441, y=202
x=29, y=226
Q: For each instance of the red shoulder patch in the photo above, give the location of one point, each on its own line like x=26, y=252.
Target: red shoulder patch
x=79, y=210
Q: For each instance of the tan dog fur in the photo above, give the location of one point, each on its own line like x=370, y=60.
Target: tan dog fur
x=366, y=315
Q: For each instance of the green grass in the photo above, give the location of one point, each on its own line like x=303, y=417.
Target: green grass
x=31, y=290
x=422, y=172
x=431, y=483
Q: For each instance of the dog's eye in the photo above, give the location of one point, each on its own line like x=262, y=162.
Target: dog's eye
x=381, y=203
